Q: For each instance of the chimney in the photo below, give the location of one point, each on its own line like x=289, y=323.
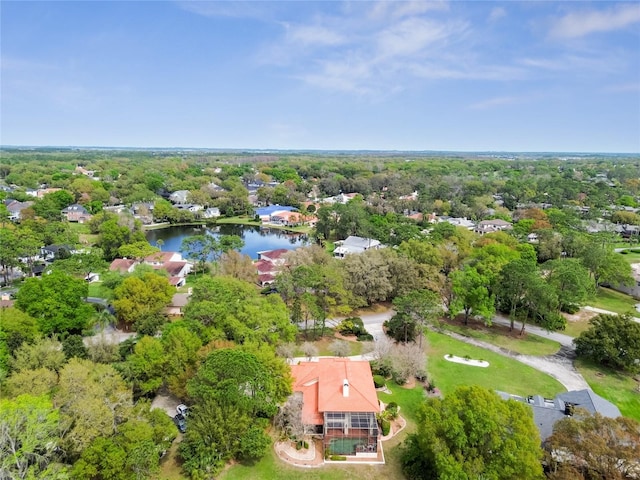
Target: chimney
x=345, y=388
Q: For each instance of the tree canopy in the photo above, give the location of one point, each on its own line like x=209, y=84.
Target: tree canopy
x=472, y=433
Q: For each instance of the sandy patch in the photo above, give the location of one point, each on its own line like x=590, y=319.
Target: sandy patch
x=465, y=361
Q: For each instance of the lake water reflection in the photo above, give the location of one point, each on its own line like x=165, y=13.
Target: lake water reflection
x=256, y=239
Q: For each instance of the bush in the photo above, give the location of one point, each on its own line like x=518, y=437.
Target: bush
x=571, y=309
x=337, y=458
x=385, y=425
x=382, y=369
x=379, y=381
x=352, y=326
x=365, y=337
x=624, y=252
x=392, y=408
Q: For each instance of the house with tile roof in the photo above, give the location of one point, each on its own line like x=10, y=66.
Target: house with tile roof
x=269, y=264
x=339, y=402
x=172, y=262
x=546, y=412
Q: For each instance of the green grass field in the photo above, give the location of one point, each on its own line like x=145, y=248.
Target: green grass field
x=618, y=388
x=632, y=257
x=503, y=373
x=245, y=220
x=613, y=301
x=528, y=345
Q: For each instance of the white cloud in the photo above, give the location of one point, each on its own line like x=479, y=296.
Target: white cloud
x=233, y=9
x=414, y=35
x=314, y=35
x=497, y=13
x=580, y=23
x=494, y=102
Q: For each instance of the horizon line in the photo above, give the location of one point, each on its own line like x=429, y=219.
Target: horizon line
x=316, y=150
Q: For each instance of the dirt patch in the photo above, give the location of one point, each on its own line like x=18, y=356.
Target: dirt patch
x=410, y=384
x=348, y=338
x=495, y=328
x=580, y=316
x=166, y=402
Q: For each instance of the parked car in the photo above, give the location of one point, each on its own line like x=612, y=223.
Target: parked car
x=182, y=410
x=181, y=422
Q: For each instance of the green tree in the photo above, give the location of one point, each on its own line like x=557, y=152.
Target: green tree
x=16, y=328
x=9, y=253
x=145, y=368
x=73, y=346
x=471, y=294
x=473, y=433
x=611, y=340
x=138, y=250
x=42, y=353
x=29, y=438
x=181, y=348
x=231, y=389
x=51, y=205
x=138, y=299
x=571, y=281
x=421, y=306
x=234, y=310
x=56, y=301
x=606, y=266
x=39, y=381
x=93, y=401
x=203, y=248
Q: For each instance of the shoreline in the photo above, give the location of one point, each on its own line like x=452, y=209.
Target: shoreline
x=250, y=223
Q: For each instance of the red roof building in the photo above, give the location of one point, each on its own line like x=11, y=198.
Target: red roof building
x=340, y=402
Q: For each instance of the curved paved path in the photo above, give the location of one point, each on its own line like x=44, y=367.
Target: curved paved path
x=557, y=366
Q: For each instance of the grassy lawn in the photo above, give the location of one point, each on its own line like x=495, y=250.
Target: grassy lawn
x=245, y=220
x=502, y=374
x=574, y=329
x=497, y=335
x=632, y=257
x=618, y=388
x=613, y=301
x=97, y=290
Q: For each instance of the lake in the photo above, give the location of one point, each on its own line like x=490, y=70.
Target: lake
x=256, y=239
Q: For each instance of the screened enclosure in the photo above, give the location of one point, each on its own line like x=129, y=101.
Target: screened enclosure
x=349, y=433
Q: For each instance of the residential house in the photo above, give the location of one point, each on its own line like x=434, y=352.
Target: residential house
x=413, y=196
x=172, y=262
x=191, y=207
x=211, y=212
x=458, y=222
x=353, y=244
x=15, y=208
x=546, y=412
x=41, y=192
x=490, y=226
x=54, y=252
x=634, y=288
x=83, y=171
x=343, y=198
x=178, y=302
x=179, y=196
x=269, y=264
x=339, y=403
x=76, y=213
x=291, y=219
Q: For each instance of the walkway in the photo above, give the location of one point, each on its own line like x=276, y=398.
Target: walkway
x=559, y=367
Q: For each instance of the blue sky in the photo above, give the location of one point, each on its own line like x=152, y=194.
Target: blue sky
x=465, y=76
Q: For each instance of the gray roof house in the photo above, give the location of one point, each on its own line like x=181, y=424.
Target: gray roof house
x=546, y=412
x=353, y=244
x=179, y=196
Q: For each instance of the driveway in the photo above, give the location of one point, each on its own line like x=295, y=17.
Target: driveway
x=372, y=322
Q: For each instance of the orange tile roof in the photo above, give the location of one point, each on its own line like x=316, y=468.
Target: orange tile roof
x=121, y=264
x=321, y=384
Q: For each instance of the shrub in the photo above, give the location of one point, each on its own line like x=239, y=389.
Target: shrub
x=385, y=425
x=624, y=252
x=379, y=381
x=392, y=408
x=365, y=337
x=337, y=458
x=571, y=309
x=352, y=326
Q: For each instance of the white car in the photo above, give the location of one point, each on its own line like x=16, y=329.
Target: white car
x=182, y=410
